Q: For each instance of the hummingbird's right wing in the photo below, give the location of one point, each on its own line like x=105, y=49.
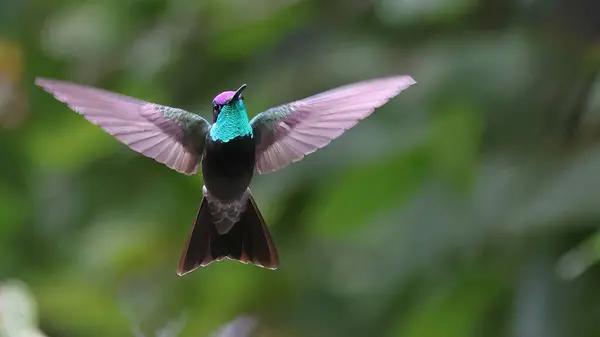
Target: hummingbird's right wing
x=171, y=136
x=288, y=132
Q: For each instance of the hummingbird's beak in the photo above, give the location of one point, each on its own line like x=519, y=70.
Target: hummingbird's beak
x=238, y=92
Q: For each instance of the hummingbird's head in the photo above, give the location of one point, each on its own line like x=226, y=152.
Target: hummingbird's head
x=228, y=101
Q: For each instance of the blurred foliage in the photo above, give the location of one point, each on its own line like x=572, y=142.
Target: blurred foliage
x=468, y=206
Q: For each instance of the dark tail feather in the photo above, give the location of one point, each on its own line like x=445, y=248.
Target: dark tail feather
x=249, y=241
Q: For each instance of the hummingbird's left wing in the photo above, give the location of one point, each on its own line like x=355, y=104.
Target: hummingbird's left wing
x=287, y=133
x=171, y=136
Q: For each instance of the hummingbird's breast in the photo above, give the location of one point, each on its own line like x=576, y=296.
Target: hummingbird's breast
x=228, y=167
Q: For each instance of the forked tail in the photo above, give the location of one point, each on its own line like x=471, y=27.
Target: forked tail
x=248, y=241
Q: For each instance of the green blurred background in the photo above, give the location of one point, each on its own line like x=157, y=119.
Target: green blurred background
x=468, y=206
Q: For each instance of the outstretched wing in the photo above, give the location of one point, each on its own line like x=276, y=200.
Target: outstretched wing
x=289, y=132
x=171, y=136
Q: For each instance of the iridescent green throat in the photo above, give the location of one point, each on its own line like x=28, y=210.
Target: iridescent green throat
x=231, y=123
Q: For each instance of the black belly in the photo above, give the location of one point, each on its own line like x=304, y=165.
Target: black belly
x=227, y=168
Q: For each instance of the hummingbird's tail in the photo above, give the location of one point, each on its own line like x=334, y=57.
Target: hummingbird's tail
x=248, y=241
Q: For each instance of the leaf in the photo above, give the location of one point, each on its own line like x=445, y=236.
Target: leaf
x=72, y=145
x=351, y=199
x=455, y=307
x=240, y=327
x=18, y=308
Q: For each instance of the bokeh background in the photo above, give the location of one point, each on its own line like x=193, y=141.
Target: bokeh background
x=467, y=206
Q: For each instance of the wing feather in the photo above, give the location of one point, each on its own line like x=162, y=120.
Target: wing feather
x=291, y=131
x=171, y=136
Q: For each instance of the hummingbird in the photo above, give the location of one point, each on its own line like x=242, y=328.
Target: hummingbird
x=230, y=151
